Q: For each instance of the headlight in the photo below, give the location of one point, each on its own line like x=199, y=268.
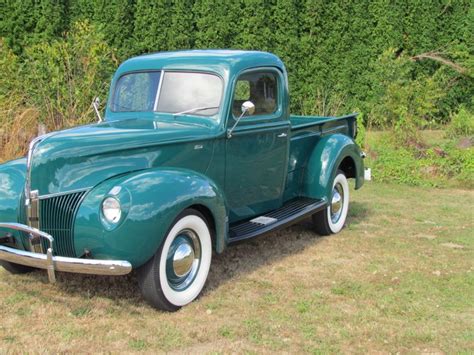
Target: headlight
x=111, y=210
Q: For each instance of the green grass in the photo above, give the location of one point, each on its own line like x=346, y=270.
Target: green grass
x=438, y=162
x=399, y=278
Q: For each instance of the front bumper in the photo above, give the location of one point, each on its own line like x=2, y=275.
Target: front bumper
x=58, y=263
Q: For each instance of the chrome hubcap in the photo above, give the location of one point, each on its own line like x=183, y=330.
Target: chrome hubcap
x=183, y=260
x=337, y=202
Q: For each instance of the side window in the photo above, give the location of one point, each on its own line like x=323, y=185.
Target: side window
x=259, y=87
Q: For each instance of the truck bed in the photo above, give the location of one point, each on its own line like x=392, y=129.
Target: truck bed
x=324, y=122
x=305, y=133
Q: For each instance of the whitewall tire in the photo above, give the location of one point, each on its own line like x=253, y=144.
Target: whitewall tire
x=332, y=219
x=177, y=273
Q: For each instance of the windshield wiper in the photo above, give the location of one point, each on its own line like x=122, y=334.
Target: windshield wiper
x=194, y=110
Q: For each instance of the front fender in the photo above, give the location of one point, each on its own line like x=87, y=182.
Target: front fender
x=151, y=200
x=322, y=166
x=12, y=183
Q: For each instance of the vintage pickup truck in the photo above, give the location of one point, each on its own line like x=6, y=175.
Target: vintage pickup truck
x=197, y=150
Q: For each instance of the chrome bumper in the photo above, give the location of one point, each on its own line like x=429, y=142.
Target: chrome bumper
x=58, y=263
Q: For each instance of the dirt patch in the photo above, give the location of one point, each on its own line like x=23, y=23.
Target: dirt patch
x=452, y=245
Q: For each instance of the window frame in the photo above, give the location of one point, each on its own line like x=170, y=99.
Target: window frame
x=264, y=117
x=158, y=90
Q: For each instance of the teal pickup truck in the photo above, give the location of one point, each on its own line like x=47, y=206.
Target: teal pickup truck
x=197, y=150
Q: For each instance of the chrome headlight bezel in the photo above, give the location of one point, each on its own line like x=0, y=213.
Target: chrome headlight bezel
x=111, y=210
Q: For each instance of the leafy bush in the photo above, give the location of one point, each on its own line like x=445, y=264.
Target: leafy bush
x=400, y=102
x=438, y=164
x=394, y=164
x=361, y=131
x=457, y=164
x=62, y=77
x=53, y=85
x=462, y=124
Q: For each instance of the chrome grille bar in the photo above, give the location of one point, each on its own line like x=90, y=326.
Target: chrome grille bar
x=57, y=215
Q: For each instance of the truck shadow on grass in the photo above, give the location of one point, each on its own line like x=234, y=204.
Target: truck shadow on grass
x=238, y=259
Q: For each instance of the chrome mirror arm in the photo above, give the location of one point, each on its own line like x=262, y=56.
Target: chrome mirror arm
x=229, y=131
x=95, y=105
x=247, y=107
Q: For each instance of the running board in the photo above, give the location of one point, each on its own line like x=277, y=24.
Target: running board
x=292, y=212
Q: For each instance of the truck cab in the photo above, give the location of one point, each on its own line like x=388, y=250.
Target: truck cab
x=197, y=150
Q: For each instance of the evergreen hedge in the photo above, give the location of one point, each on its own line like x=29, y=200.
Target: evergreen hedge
x=330, y=47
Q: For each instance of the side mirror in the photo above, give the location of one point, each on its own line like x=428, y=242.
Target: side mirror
x=247, y=108
x=96, y=105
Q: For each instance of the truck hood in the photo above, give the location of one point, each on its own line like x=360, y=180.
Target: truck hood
x=81, y=157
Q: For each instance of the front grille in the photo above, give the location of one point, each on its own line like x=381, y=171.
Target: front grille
x=57, y=216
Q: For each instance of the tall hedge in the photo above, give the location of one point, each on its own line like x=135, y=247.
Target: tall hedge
x=329, y=47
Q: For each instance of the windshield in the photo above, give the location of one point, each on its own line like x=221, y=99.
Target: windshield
x=180, y=93
x=136, y=92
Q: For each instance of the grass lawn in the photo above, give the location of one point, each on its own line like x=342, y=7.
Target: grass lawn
x=400, y=277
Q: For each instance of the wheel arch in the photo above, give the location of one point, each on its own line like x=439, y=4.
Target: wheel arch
x=210, y=219
x=331, y=153
x=157, y=197
x=348, y=167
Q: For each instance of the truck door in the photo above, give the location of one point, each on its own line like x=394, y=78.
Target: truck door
x=257, y=151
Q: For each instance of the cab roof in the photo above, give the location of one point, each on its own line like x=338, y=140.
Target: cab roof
x=222, y=61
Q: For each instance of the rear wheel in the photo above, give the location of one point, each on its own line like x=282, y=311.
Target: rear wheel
x=332, y=219
x=16, y=268
x=176, y=274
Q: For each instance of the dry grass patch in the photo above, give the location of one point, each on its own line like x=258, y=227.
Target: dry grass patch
x=388, y=282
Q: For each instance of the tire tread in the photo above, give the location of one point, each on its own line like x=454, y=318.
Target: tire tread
x=149, y=273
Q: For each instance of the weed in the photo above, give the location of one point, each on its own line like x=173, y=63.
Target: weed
x=137, y=344
x=81, y=311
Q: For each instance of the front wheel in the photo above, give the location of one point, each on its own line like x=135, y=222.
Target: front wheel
x=332, y=219
x=176, y=274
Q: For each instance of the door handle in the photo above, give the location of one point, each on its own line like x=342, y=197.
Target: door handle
x=282, y=135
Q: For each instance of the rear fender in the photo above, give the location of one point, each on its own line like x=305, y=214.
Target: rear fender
x=325, y=159
x=150, y=201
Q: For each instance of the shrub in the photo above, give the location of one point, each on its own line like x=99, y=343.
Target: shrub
x=61, y=78
x=361, y=131
x=462, y=124
x=402, y=101
x=54, y=85
x=441, y=164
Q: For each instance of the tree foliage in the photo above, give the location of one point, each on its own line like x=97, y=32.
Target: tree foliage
x=330, y=47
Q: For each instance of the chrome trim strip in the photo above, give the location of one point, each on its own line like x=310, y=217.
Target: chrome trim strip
x=33, y=220
x=29, y=157
x=158, y=91
x=57, y=194
x=59, y=263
